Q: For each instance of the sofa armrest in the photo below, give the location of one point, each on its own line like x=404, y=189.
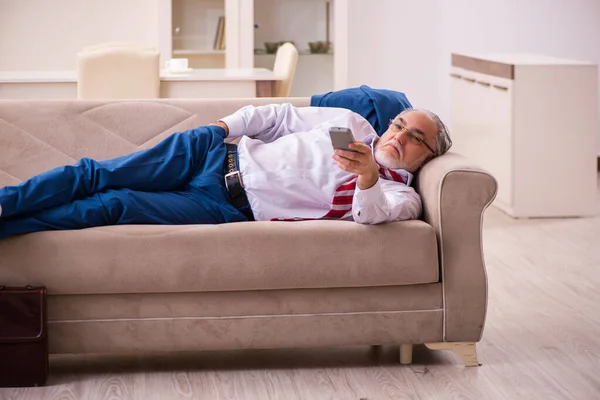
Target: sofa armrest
x=455, y=193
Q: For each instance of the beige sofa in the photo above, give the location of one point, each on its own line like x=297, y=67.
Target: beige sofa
x=143, y=288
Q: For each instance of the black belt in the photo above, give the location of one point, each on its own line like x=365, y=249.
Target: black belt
x=233, y=182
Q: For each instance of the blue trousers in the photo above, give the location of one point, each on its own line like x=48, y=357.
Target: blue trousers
x=178, y=181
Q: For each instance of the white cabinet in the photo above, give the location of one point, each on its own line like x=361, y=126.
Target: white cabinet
x=301, y=22
x=532, y=121
x=195, y=25
x=190, y=29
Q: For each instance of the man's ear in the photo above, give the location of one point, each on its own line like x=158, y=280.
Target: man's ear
x=425, y=161
x=428, y=158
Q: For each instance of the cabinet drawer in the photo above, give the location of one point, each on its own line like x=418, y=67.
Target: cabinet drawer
x=481, y=123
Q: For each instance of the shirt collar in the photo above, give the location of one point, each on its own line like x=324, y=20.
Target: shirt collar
x=371, y=140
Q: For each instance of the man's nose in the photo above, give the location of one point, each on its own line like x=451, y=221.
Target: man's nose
x=400, y=137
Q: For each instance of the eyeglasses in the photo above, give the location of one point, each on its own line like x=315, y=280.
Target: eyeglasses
x=411, y=133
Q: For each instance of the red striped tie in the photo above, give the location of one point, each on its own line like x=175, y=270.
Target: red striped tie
x=344, y=194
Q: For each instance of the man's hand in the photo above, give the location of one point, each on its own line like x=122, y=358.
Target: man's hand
x=222, y=125
x=360, y=162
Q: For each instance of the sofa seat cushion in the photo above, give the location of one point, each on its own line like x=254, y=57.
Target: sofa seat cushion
x=227, y=257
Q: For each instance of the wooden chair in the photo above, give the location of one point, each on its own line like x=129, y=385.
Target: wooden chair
x=117, y=72
x=286, y=60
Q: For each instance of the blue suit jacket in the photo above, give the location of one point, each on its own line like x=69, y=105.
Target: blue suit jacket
x=377, y=106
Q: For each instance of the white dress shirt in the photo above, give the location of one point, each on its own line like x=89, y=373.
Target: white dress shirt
x=287, y=169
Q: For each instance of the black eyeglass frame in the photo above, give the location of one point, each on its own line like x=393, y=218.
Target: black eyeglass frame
x=411, y=135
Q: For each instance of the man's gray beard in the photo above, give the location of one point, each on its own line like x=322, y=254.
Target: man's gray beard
x=386, y=160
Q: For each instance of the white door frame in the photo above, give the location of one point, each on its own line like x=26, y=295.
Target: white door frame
x=340, y=41
x=239, y=31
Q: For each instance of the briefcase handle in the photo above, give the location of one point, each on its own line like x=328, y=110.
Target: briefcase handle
x=41, y=333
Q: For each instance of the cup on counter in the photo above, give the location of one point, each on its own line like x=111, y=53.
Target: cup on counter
x=177, y=65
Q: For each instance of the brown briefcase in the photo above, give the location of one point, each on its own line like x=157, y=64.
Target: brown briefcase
x=23, y=336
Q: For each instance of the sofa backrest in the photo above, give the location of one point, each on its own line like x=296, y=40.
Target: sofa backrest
x=37, y=135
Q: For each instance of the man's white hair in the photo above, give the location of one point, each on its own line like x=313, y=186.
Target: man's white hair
x=442, y=137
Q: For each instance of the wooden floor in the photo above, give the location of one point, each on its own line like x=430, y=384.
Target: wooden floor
x=541, y=341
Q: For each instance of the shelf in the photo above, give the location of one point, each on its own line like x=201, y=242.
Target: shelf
x=197, y=52
x=300, y=53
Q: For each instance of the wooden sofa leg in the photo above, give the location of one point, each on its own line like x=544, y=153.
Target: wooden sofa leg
x=406, y=351
x=465, y=350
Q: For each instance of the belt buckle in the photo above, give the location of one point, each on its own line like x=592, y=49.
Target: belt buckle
x=232, y=174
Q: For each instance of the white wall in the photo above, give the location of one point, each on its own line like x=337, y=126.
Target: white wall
x=395, y=46
x=43, y=34
x=406, y=44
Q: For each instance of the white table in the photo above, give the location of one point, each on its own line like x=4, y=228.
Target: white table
x=198, y=83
